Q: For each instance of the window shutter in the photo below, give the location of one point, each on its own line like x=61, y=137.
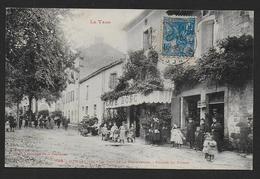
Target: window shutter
x=110, y=81
x=207, y=32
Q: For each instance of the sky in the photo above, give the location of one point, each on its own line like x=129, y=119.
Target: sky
x=84, y=25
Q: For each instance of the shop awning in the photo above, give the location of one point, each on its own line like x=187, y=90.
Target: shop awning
x=136, y=99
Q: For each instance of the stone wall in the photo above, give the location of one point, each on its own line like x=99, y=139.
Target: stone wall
x=234, y=23
x=240, y=106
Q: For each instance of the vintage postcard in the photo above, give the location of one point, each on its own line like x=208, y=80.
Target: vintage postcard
x=129, y=88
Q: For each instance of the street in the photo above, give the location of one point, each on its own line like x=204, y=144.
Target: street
x=67, y=149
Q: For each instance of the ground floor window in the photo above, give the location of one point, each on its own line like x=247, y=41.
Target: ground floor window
x=213, y=106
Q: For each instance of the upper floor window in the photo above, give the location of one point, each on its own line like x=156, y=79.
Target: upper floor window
x=95, y=110
x=63, y=98
x=113, y=80
x=147, y=39
x=207, y=35
x=87, y=92
x=73, y=95
x=86, y=112
x=67, y=97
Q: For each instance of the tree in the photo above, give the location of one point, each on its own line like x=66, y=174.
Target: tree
x=37, y=53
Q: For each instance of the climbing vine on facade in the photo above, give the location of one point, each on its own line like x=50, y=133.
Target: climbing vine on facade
x=140, y=76
x=230, y=63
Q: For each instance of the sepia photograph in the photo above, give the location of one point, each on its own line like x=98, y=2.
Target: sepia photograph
x=129, y=88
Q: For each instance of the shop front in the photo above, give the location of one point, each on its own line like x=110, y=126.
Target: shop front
x=202, y=102
x=140, y=108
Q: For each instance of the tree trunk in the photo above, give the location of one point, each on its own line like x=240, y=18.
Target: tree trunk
x=17, y=114
x=30, y=109
x=36, y=106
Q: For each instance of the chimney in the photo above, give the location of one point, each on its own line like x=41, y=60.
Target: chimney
x=99, y=40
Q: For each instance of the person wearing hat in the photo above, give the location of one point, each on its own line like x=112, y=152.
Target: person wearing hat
x=190, y=136
x=216, y=130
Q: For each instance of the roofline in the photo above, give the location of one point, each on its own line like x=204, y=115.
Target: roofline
x=117, y=62
x=137, y=19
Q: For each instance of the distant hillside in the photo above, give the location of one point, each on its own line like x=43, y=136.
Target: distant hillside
x=97, y=56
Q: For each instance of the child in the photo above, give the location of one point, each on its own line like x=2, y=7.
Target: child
x=113, y=129
x=122, y=133
x=104, y=132
x=198, y=139
x=209, y=147
x=7, y=126
x=131, y=134
x=116, y=135
x=176, y=136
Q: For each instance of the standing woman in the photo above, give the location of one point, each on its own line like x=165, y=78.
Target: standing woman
x=48, y=122
x=150, y=134
x=157, y=132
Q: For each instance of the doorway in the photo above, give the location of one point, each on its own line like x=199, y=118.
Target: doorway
x=134, y=118
x=190, y=108
x=216, y=108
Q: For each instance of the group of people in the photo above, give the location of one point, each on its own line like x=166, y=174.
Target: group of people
x=156, y=133
x=48, y=122
x=41, y=121
x=116, y=134
x=10, y=123
x=200, y=138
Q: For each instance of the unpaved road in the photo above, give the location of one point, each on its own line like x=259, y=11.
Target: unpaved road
x=58, y=148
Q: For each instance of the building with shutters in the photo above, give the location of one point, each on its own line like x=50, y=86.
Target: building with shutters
x=96, y=84
x=233, y=105
x=146, y=31
x=69, y=101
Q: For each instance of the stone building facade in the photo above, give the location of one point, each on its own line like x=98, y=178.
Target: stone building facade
x=70, y=96
x=145, y=32
x=95, y=85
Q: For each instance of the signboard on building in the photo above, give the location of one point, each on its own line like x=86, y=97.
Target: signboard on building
x=178, y=38
x=201, y=104
x=136, y=99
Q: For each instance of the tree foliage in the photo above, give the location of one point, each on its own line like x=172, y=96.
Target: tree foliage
x=140, y=76
x=230, y=63
x=36, y=54
x=181, y=76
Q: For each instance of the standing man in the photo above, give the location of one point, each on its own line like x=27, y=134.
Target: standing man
x=191, y=127
x=216, y=129
x=58, y=122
